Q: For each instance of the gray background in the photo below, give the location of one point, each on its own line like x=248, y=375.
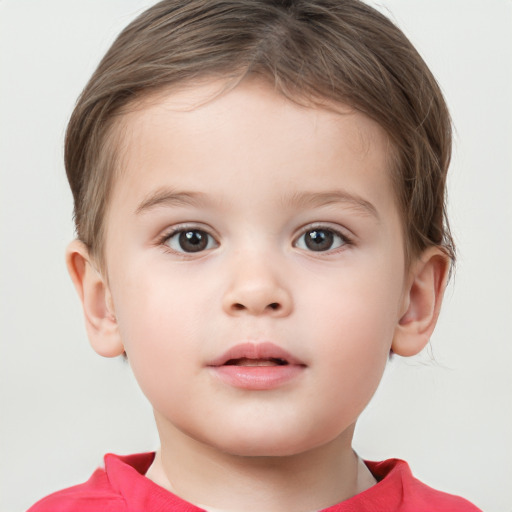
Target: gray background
x=63, y=407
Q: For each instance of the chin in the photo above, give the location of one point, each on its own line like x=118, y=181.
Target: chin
x=269, y=444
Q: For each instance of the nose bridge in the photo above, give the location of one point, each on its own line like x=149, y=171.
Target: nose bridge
x=256, y=285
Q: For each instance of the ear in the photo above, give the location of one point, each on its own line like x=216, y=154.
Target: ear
x=93, y=290
x=422, y=302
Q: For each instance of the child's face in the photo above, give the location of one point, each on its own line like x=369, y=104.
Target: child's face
x=250, y=220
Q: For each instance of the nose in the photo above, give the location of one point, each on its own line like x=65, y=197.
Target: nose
x=257, y=289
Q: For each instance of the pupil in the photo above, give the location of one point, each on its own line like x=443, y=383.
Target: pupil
x=319, y=240
x=193, y=241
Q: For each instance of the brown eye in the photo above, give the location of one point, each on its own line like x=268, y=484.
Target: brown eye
x=190, y=240
x=319, y=240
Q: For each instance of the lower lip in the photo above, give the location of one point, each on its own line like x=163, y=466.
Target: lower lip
x=257, y=377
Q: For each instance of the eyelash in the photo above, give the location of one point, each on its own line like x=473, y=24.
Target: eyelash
x=182, y=229
x=344, y=239
x=163, y=241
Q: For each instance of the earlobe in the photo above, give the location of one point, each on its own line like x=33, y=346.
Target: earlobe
x=422, y=302
x=94, y=293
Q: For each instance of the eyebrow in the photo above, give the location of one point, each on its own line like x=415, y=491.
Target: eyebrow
x=168, y=197
x=315, y=199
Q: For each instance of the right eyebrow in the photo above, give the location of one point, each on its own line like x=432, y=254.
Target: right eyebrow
x=168, y=197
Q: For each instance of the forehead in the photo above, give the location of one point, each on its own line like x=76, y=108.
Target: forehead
x=205, y=136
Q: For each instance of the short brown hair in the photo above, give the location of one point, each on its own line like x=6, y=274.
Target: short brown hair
x=336, y=50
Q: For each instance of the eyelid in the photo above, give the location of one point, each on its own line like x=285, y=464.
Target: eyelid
x=338, y=230
x=330, y=226
x=186, y=226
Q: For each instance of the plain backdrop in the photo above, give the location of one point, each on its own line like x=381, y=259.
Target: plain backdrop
x=63, y=407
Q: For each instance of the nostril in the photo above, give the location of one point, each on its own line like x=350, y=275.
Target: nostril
x=256, y=308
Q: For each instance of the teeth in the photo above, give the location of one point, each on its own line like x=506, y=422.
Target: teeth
x=244, y=361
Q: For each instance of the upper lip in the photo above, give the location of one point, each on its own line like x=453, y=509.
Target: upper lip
x=262, y=350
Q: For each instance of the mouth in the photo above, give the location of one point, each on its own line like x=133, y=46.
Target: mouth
x=256, y=354
x=246, y=361
x=257, y=366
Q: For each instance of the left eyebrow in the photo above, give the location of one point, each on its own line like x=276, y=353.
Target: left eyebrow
x=315, y=199
x=169, y=197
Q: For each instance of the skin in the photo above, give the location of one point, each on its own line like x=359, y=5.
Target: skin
x=259, y=174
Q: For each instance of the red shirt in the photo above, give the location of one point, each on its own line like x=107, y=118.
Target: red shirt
x=122, y=487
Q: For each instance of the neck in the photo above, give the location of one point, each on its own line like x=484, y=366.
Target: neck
x=218, y=481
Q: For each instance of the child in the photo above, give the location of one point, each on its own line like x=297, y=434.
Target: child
x=259, y=203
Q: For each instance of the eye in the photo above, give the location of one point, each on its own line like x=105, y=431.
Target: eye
x=190, y=240
x=321, y=240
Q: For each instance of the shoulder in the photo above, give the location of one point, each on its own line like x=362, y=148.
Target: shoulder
x=95, y=494
x=104, y=489
x=397, y=489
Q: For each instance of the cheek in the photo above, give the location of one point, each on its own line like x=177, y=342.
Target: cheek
x=353, y=332
x=155, y=307
x=357, y=309
x=349, y=369
x=159, y=329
